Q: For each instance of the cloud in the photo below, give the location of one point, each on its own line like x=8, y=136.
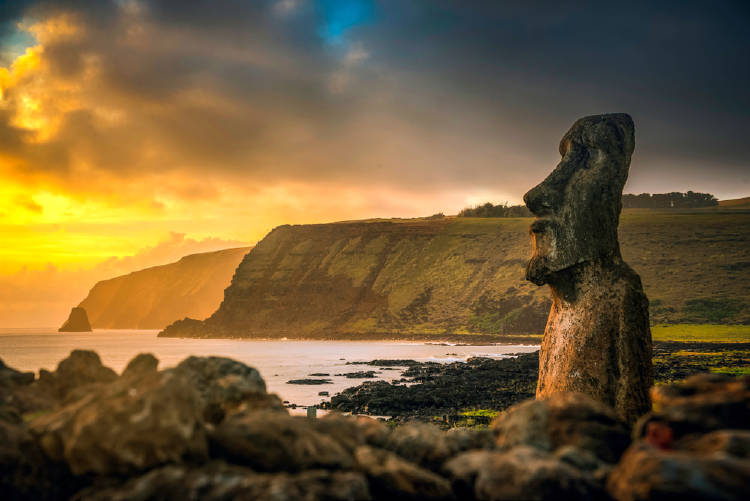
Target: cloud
x=422, y=96
x=43, y=297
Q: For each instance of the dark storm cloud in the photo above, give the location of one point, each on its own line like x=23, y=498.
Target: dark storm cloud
x=415, y=94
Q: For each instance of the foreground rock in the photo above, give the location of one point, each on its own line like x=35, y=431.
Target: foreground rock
x=77, y=321
x=694, y=445
x=207, y=429
x=597, y=340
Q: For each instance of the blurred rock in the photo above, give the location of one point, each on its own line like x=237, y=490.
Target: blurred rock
x=703, y=403
x=271, y=441
x=646, y=472
x=564, y=419
x=392, y=477
x=126, y=426
x=140, y=365
x=220, y=482
x=522, y=473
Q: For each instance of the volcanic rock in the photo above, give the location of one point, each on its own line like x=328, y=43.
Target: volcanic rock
x=219, y=481
x=522, y=473
x=126, y=426
x=392, y=477
x=271, y=441
x=226, y=385
x=564, y=419
x=77, y=321
x=597, y=340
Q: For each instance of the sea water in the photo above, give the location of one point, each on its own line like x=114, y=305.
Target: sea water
x=277, y=360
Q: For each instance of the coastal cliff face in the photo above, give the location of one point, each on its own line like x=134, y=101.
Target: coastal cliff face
x=400, y=278
x=154, y=297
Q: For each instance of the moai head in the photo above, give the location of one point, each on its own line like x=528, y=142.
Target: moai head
x=578, y=205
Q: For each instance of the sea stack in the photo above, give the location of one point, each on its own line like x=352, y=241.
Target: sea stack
x=77, y=321
x=597, y=340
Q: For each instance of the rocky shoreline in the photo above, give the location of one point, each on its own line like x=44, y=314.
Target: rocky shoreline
x=439, y=392
x=208, y=429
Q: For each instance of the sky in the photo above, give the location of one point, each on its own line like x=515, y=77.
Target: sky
x=186, y=126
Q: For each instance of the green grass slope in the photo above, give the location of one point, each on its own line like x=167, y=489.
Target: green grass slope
x=155, y=297
x=456, y=276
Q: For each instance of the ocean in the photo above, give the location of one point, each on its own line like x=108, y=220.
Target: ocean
x=277, y=360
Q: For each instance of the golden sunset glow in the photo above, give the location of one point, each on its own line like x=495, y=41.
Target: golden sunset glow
x=127, y=128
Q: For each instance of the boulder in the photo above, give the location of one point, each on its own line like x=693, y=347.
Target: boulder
x=563, y=419
x=126, y=426
x=352, y=431
x=80, y=368
x=225, y=385
x=522, y=473
x=77, y=321
x=391, y=477
x=24, y=472
x=597, y=340
x=270, y=441
x=141, y=365
x=702, y=403
x=420, y=443
x=220, y=482
x=646, y=472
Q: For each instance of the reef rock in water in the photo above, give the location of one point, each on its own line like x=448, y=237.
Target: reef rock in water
x=77, y=321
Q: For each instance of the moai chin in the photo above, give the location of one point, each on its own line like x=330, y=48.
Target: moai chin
x=597, y=340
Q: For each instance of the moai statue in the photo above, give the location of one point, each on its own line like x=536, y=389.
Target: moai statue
x=597, y=340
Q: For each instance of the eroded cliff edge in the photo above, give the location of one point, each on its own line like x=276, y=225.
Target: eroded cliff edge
x=154, y=297
x=452, y=276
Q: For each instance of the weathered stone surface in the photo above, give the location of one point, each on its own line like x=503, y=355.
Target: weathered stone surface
x=77, y=321
x=353, y=431
x=271, y=441
x=221, y=482
x=564, y=419
x=420, y=443
x=597, y=340
x=702, y=403
x=81, y=368
x=126, y=426
x=520, y=473
x=392, y=477
x=140, y=365
x=24, y=472
x=10, y=377
x=646, y=472
x=225, y=385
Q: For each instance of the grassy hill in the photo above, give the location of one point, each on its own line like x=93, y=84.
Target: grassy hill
x=154, y=297
x=457, y=276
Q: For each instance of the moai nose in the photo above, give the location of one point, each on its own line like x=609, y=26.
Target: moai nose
x=539, y=199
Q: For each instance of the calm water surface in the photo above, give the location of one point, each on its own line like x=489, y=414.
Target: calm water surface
x=277, y=360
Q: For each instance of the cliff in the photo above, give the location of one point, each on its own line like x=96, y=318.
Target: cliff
x=154, y=297
x=77, y=321
x=463, y=276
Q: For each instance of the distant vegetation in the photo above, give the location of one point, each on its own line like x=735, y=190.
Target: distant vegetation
x=674, y=200
x=490, y=210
